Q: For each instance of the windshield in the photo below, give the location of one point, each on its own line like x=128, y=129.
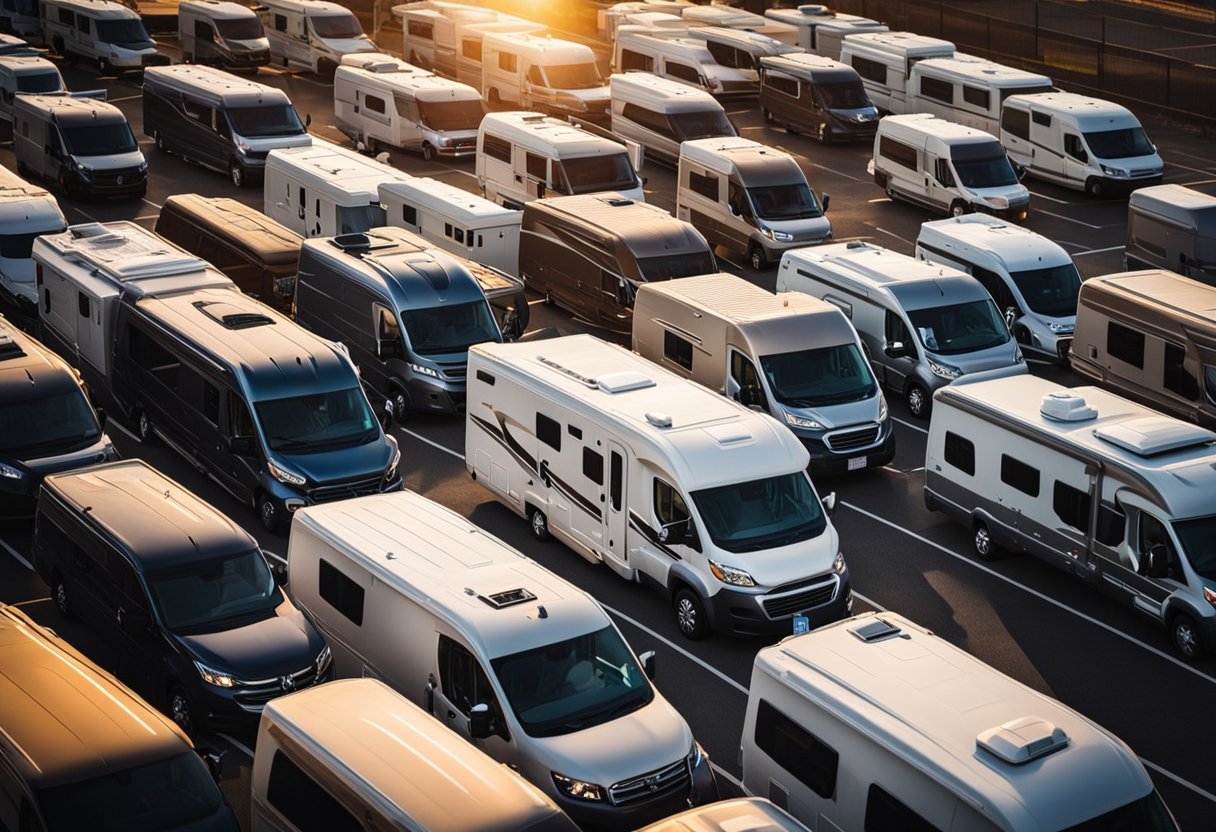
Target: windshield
x=266, y=120
x=668, y=266
x=591, y=174
x=355, y=219
x=21, y=246
x=1051, y=291
x=574, y=684
x=203, y=596
x=1198, y=539
x=1148, y=814
x=761, y=514
x=242, y=28
x=99, y=139
x=336, y=26
x=167, y=794
x=449, y=329
x=451, y=115
x=700, y=124
x=846, y=95
x=785, y=202
x=960, y=328
x=990, y=172
x=48, y=81
x=573, y=76
x=55, y=424
x=1119, y=144
x=128, y=32
x=320, y=422
x=819, y=377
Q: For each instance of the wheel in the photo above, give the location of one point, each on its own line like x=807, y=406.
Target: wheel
x=690, y=614
x=179, y=708
x=768, y=116
x=143, y=426
x=1185, y=633
x=326, y=68
x=159, y=140
x=539, y=524
x=756, y=258
x=823, y=132
x=59, y=592
x=548, y=297
x=985, y=546
x=957, y=209
x=103, y=66
x=23, y=171
x=401, y=407
x=428, y=152
x=65, y=184
x=270, y=513
x=918, y=401
x=1094, y=188
x=236, y=172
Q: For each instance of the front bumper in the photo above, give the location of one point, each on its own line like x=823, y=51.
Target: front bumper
x=745, y=612
x=293, y=499
x=1016, y=212
x=1125, y=185
x=434, y=396
x=104, y=184
x=240, y=708
x=604, y=815
x=827, y=461
x=853, y=131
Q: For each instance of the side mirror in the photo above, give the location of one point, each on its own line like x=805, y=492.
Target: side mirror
x=132, y=623
x=1011, y=315
x=308, y=120
x=829, y=504
x=389, y=348
x=214, y=760
x=278, y=568
x=479, y=721
x=895, y=349
x=240, y=445
x=101, y=416
x=648, y=660
x=826, y=199
x=1158, y=561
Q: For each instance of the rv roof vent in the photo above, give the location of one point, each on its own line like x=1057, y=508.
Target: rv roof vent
x=1153, y=435
x=356, y=244
x=874, y=630
x=853, y=244
x=623, y=381
x=1021, y=740
x=618, y=201
x=231, y=316
x=816, y=9
x=509, y=598
x=384, y=66
x=1066, y=406
x=659, y=420
x=9, y=348
x=533, y=118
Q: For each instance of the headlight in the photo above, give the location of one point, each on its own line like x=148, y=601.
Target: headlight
x=284, y=476
x=782, y=236
x=944, y=370
x=9, y=472
x=1058, y=327
x=215, y=677
x=1116, y=172
x=731, y=575
x=767, y=232
x=391, y=471
x=802, y=422
x=324, y=660
x=424, y=371
x=578, y=788
x=243, y=146
x=1209, y=595
x=838, y=564
x=882, y=408
x=997, y=201
x=696, y=755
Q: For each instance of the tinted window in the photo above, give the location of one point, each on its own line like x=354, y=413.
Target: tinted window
x=593, y=466
x=1175, y=376
x=870, y=70
x=161, y=364
x=409, y=214
x=1042, y=119
x=705, y=184
x=937, y=89
x=303, y=801
x=465, y=683
x=885, y=813
x=649, y=119
x=341, y=592
x=617, y=464
x=631, y=60
x=496, y=147
x=976, y=96
x=538, y=166
x=1071, y=505
x=1111, y=525
x=373, y=104
x=1015, y=122
x=421, y=29
x=1125, y=344
x=782, y=84
x=677, y=349
x=960, y=453
x=1021, y=476
x=507, y=62
x=549, y=431
x=798, y=751
x=683, y=72
x=280, y=23
x=897, y=152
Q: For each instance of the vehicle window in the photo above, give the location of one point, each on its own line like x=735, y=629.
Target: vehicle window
x=942, y=173
x=1041, y=119
x=737, y=201
x=495, y=147
x=1019, y=475
x=507, y=61
x=615, y=485
x=148, y=353
x=205, y=596
x=1153, y=533
x=669, y=506
x=303, y=801
x=538, y=166
x=1071, y=505
x=82, y=23
x=870, y=70
x=1015, y=122
x=1050, y=291
x=798, y=751
x=996, y=287
x=421, y=29
x=683, y=72
x=1175, y=376
x=677, y=349
x=1112, y=524
x=240, y=28
x=1123, y=143
x=211, y=403
x=343, y=25
x=1146, y=814
x=897, y=152
x=982, y=166
x=197, y=112
x=453, y=114
x=705, y=184
x=677, y=264
x=743, y=371
x=355, y=219
x=203, y=30
x=340, y=592
x=937, y=89
x=885, y=812
x=593, y=466
x=317, y=422
x=960, y=328
x=782, y=84
x=387, y=328
x=465, y=684
x=896, y=332
x=1074, y=148
x=373, y=104
x=698, y=124
x=239, y=421
x=34, y=423
x=648, y=119
x=591, y=174
x=1209, y=382
x=960, y=453
x=409, y=215
x=977, y=97
x=280, y=23
x=789, y=201
x=67, y=16
x=535, y=76
x=631, y=61
x=471, y=48
x=549, y=431
x=83, y=305
x=1125, y=344
x=439, y=330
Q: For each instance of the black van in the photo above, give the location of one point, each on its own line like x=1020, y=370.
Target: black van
x=181, y=590
x=816, y=96
x=46, y=421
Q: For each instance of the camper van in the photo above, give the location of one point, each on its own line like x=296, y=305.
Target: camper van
x=217, y=120
x=821, y=29
x=25, y=75
x=884, y=60
x=609, y=19
x=969, y=92
x=21, y=18
x=527, y=667
x=445, y=37
x=1149, y=335
x=817, y=96
x=312, y=35
x=672, y=53
x=26, y=211
x=738, y=814
x=741, y=50
x=221, y=33
x=525, y=156
x=723, y=16
x=406, y=312
x=83, y=145
x=1032, y=279
x=541, y=74
x=273, y=414
x=946, y=167
x=590, y=253
x=667, y=482
x=107, y=34
x=324, y=190
x=750, y=198
x=321, y=754
x=877, y=723
x=1172, y=227
x=791, y=355
x=1129, y=507
x=922, y=325
x=659, y=113
x=379, y=101
x=1086, y=144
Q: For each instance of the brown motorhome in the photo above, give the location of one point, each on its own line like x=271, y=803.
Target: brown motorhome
x=1150, y=336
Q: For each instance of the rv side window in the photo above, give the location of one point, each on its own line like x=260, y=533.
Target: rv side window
x=507, y=61
x=1071, y=505
x=797, y=751
x=782, y=84
x=340, y=592
x=897, y=152
x=669, y=506
x=465, y=683
x=649, y=119
x=422, y=30
x=1112, y=523
x=471, y=48
x=896, y=331
x=407, y=109
x=549, y=431
x=1074, y=148
x=409, y=215
x=705, y=184
x=616, y=471
x=211, y=403
x=497, y=148
x=536, y=77
x=1125, y=344
x=151, y=356
x=280, y=23
x=677, y=349
x=631, y=60
x=937, y=89
x=683, y=72
x=82, y=302
x=1041, y=119
x=960, y=453
x=303, y=801
x=1175, y=376
x=977, y=97
x=387, y=327
x=875, y=71
x=82, y=23
x=202, y=30
x=67, y=16
x=593, y=466
x=1015, y=122
x=1019, y=475
x=538, y=166
x=373, y=104
x=884, y=812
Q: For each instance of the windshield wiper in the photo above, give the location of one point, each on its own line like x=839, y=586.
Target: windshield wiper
x=283, y=443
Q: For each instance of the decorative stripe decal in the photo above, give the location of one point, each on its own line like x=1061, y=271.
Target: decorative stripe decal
x=643, y=528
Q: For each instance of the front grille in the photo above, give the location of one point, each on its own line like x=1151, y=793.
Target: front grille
x=255, y=696
x=455, y=372
x=815, y=596
x=109, y=178
x=669, y=780
x=345, y=490
x=738, y=86
x=257, y=154
x=1146, y=172
x=847, y=440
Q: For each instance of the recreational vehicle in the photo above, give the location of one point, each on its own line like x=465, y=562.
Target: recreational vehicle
x=946, y=167
x=589, y=254
x=609, y=19
x=741, y=50
x=817, y=96
x=734, y=815
x=1172, y=227
x=1086, y=144
x=791, y=355
x=922, y=325
x=667, y=482
x=659, y=113
x=821, y=29
x=725, y=17
x=21, y=17
x=527, y=667
x=312, y=35
x=379, y=101
x=1103, y=488
x=969, y=92
x=525, y=156
x=400, y=769
x=445, y=37
x=25, y=75
x=221, y=33
x=541, y=74
x=672, y=53
x=749, y=197
x=1151, y=336
x=26, y=211
x=1032, y=279
x=884, y=60
x=217, y=120
x=878, y=723
x=107, y=34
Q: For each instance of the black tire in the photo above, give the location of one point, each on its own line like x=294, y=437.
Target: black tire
x=919, y=400
x=1184, y=632
x=958, y=208
x=1094, y=188
x=57, y=45
x=103, y=66
x=271, y=513
x=326, y=68
x=428, y=152
x=144, y=428
x=756, y=258
x=159, y=140
x=538, y=523
x=690, y=614
x=59, y=594
x=23, y=171
x=401, y=407
x=985, y=547
x=180, y=709
x=236, y=173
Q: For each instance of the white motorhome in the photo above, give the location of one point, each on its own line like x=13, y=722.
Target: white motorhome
x=672, y=53
x=1106, y=489
x=455, y=220
x=877, y=723
x=445, y=37
x=884, y=60
x=381, y=101
x=608, y=19
x=727, y=17
x=1032, y=279
x=821, y=29
x=739, y=49
x=106, y=33
x=541, y=74
x=667, y=482
x=524, y=156
x=26, y=212
x=325, y=190
x=659, y=114
x=312, y=35
x=970, y=91
x=223, y=33
x=26, y=75
x=946, y=167
x=1082, y=143
x=20, y=17
x=524, y=665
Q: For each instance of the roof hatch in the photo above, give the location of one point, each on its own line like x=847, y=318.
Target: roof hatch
x=1022, y=740
x=875, y=629
x=231, y=316
x=623, y=381
x=9, y=348
x=1153, y=435
x=508, y=598
x=1066, y=406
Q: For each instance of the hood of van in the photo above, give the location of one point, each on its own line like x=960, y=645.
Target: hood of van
x=810, y=230
x=111, y=162
x=993, y=358
x=265, y=144
x=1135, y=166
x=592, y=94
x=832, y=416
x=785, y=564
x=283, y=643
x=17, y=275
x=1001, y=197
x=348, y=46
x=862, y=115
x=328, y=467
x=253, y=45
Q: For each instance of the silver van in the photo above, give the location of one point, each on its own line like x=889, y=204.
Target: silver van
x=1172, y=227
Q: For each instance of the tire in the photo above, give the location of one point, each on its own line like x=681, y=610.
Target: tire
x=103, y=66
x=1094, y=188
x=180, y=710
x=144, y=428
x=768, y=116
x=326, y=68
x=958, y=209
x=59, y=594
x=271, y=514
x=1184, y=632
x=985, y=546
x=539, y=524
x=160, y=141
x=919, y=400
x=757, y=259
x=401, y=407
x=428, y=152
x=236, y=173
x=690, y=614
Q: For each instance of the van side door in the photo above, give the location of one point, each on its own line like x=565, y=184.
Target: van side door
x=240, y=459
x=738, y=223
x=409, y=128
x=462, y=684
x=896, y=368
x=616, y=517
x=133, y=622
x=1150, y=588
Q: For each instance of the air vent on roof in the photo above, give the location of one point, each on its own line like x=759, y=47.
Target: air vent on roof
x=533, y=118
x=1022, y=740
x=1066, y=406
x=854, y=244
x=659, y=420
x=231, y=316
x=9, y=348
x=618, y=202
x=509, y=598
x=815, y=9
x=624, y=381
x=874, y=630
x=356, y=244
x=1152, y=435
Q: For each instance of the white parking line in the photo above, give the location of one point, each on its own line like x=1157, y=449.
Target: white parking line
x=155, y=205
x=1069, y=219
x=119, y=426
x=910, y=425
x=879, y=199
x=1179, y=780
x=1052, y=198
x=893, y=234
x=17, y=556
x=1199, y=182
x=237, y=744
x=431, y=442
x=124, y=98
x=1098, y=251
x=726, y=775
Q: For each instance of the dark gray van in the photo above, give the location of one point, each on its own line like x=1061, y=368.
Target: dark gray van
x=183, y=593
x=407, y=312
x=1172, y=227
x=816, y=96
